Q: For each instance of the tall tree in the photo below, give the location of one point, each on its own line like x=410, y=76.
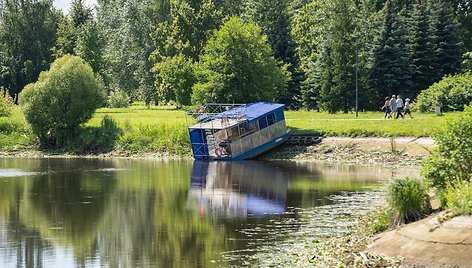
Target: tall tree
x=422, y=45
x=309, y=36
x=391, y=72
x=448, y=47
x=338, y=83
x=28, y=29
x=238, y=67
x=274, y=18
x=126, y=26
x=80, y=13
x=184, y=34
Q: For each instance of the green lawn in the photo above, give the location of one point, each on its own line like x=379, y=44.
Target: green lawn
x=366, y=125
x=163, y=129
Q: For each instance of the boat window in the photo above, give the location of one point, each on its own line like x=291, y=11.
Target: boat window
x=270, y=119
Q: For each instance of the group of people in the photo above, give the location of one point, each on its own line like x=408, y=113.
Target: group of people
x=394, y=107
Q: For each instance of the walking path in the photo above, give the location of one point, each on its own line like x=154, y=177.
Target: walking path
x=427, y=243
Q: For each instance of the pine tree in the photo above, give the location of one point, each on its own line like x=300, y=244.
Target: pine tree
x=391, y=73
x=422, y=49
x=448, y=47
x=337, y=80
x=273, y=16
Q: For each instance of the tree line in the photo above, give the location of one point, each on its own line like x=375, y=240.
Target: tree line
x=303, y=53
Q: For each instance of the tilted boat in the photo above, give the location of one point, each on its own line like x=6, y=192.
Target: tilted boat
x=236, y=131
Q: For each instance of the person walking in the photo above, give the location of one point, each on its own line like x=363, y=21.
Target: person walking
x=388, y=111
x=393, y=106
x=407, y=108
x=399, y=107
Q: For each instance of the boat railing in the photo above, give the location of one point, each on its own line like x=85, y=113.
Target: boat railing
x=212, y=111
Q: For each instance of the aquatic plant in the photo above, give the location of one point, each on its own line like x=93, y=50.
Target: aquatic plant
x=408, y=199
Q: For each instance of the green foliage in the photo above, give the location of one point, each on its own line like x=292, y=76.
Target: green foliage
x=381, y=220
x=238, y=67
x=5, y=107
x=90, y=45
x=391, y=72
x=174, y=80
x=98, y=139
x=62, y=99
x=165, y=138
x=451, y=160
x=452, y=92
x=409, y=200
x=125, y=27
x=467, y=62
x=27, y=36
x=459, y=198
x=274, y=18
x=118, y=99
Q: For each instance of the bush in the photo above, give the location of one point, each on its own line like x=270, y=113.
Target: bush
x=459, y=198
x=452, y=92
x=381, y=220
x=409, y=200
x=452, y=158
x=5, y=107
x=61, y=100
x=118, y=99
x=99, y=139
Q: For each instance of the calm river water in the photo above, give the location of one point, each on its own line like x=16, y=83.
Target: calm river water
x=175, y=213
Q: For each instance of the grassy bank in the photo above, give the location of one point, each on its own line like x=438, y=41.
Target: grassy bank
x=163, y=129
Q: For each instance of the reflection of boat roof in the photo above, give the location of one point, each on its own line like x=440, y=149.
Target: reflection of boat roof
x=237, y=115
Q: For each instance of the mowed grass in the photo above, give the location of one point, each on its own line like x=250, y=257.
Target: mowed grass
x=164, y=129
x=368, y=124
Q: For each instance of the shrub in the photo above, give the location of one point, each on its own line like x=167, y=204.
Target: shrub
x=99, y=139
x=452, y=158
x=459, y=198
x=409, y=200
x=452, y=92
x=118, y=99
x=63, y=98
x=5, y=107
x=381, y=220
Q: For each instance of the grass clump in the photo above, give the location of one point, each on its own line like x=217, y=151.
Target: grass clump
x=459, y=198
x=408, y=199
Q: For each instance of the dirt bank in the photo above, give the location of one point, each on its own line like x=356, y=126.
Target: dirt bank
x=403, y=151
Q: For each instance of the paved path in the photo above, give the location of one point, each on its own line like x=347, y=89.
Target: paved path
x=427, y=243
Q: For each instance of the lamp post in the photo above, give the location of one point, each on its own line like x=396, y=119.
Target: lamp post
x=357, y=82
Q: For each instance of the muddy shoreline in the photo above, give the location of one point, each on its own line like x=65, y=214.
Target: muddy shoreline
x=385, y=152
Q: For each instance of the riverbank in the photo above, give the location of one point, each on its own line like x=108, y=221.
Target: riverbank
x=386, y=152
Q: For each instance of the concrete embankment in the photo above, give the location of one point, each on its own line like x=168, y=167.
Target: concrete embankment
x=428, y=243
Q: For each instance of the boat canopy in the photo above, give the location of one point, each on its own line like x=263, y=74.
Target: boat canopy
x=236, y=115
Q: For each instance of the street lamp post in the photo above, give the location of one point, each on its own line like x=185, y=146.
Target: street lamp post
x=357, y=83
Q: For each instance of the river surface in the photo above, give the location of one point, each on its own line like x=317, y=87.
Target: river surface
x=176, y=213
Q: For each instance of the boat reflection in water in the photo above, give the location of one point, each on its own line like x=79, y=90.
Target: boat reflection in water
x=237, y=189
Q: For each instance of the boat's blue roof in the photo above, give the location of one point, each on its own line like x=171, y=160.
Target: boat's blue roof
x=251, y=111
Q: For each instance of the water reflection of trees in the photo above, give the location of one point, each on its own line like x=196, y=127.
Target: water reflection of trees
x=132, y=216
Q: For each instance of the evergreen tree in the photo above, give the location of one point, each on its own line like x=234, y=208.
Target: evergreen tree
x=391, y=73
x=338, y=81
x=422, y=45
x=80, y=13
x=448, y=47
x=273, y=16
